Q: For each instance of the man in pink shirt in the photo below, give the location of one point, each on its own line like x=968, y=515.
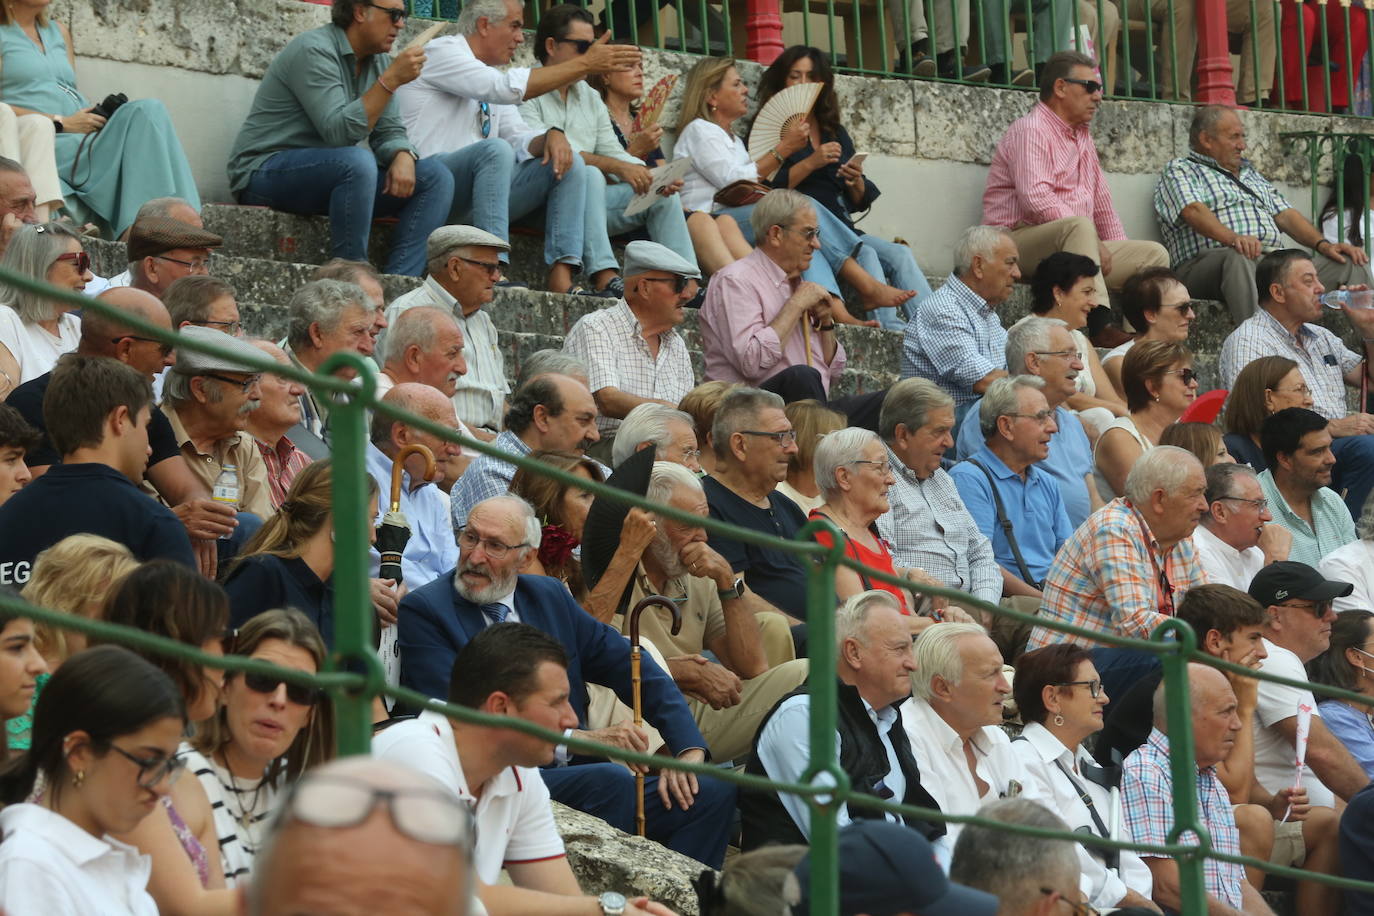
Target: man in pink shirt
x=1046, y=184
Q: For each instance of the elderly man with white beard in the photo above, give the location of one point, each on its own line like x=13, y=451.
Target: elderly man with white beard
x=728, y=697
x=690, y=816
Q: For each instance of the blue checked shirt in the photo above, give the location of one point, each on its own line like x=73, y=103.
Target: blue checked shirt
x=1321, y=357
x=485, y=477
x=1147, y=788
x=927, y=526
x=1196, y=178
x=955, y=339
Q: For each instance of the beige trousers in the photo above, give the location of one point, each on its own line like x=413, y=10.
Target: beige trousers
x=730, y=732
x=28, y=139
x=1078, y=235
x=1238, y=20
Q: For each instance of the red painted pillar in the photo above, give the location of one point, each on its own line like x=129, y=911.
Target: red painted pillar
x=763, y=20
x=1214, y=83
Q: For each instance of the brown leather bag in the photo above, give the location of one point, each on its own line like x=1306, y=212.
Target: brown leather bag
x=741, y=193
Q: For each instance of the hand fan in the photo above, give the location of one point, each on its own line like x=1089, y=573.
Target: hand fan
x=789, y=106
x=654, y=102
x=424, y=37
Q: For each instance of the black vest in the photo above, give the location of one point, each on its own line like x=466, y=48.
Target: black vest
x=862, y=757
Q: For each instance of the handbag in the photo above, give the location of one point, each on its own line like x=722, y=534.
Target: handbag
x=741, y=193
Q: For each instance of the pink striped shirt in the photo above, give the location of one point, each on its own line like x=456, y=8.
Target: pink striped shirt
x=1045, y=170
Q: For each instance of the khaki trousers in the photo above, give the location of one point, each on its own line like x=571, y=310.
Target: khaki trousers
x=1078, y=235
x=730, y=732
x=1185, y=45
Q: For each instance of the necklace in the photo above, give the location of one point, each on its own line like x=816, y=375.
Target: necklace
x=245, y=814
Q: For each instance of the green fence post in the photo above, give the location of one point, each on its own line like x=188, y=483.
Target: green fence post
x=353, y=615
x=1178, y=703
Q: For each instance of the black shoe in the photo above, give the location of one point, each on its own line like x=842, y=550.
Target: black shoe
x=917, y=61
x=698, y=300
x=951, y=68
x=1003, y=76
x=614, y=289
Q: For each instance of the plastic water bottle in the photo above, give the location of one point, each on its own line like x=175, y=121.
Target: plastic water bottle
x=1349, y=298
x=226, y=490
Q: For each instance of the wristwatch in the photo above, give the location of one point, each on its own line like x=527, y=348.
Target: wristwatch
x=612, y=904
x=729, y=594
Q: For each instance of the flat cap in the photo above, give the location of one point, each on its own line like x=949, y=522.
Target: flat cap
x=158, y=234
x=447, y=238
x=642, y=256
x=196, y=362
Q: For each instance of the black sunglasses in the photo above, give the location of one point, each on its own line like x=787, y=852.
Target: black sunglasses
x=581, y=44
x=1092, y=87
x=679, y=283
x=397, y=15
x=296, y=693
x=1187, y=376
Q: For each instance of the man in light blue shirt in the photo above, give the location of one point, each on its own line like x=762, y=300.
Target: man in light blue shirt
x=1025, y=505
x=1043, y=347
x=432, y=549
x=1297, y=448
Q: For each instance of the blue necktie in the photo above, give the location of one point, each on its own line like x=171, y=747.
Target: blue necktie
x=496, y=613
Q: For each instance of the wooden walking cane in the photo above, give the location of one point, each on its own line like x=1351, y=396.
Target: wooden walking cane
x=634, y=684
x=398, y=469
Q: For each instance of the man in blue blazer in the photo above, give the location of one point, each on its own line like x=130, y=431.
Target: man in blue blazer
x=690, y=816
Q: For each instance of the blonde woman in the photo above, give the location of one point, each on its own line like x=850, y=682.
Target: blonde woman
x=74, y=575
x=811, y=420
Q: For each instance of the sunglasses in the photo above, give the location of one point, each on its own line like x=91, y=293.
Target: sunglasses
x=397, y=15
x=484, y=112
x=679, y=283
x=426, y=816
x=1187, y=376
x=267, y=684
x=80, y=260
x=581, y=44
x=1092, y=87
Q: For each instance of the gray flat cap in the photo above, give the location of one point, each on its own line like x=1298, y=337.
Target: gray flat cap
x=641, y=256
x=194, y=362
x=447, y=238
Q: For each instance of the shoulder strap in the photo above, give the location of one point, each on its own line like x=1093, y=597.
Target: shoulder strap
x=1005, y=523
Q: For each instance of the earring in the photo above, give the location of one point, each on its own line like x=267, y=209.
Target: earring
x=1058, y=720
x=78, y=778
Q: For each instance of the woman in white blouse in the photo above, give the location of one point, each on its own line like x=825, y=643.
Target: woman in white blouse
x=1160, y=385
x=266, y=733
x=104, y=754
x=1060, y=698
x=715, y=98
x=35, y=330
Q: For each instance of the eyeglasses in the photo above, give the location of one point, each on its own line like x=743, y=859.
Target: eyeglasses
x=494, y=549
x=1186, y=376
x=1183, y=308
x=1092, y=87
x=1317, y=609
x=1040, y=416
x=1061, y=354
x=244, y=385
x=163, y=348
x=880, y=465
x=1075, y=909
x=267, y=684
x=785, y=438
x=1094, y=686
x=493, y=268
x=484, y=118
x=231, y=328
x=80, y=260
x=811, y=233
x=581, y=44
x=679, y=283
x=397, y=14
x=423, y=815
x=153, y=771
x=1301, y=389
x=197, y=266
x=1261, y=505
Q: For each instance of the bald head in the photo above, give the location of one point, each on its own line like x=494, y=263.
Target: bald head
x=110, y=337
x=391, y=435
x=353, y=870
x=1213, y=711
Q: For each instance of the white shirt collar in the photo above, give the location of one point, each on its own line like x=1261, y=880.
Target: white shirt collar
x=1047, y=745
x=77, y=844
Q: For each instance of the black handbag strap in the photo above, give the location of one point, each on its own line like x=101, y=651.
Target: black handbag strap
x=1111, y=857
x=1005, y=523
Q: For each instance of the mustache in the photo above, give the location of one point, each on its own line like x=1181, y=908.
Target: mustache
x=250, y=406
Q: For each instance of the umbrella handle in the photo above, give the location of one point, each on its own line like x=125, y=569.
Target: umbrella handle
x=398, y=468
x=646, y=602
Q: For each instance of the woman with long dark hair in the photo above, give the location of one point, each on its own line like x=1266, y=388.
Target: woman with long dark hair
x=1349, y=220
x=104, y=753
x=827, y=171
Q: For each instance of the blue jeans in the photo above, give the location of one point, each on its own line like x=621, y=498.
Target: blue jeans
x=664, y=220
x=346, y=183
x=1354, y=470
x=1118, y=669
x=563, y=200
x=233, y=545
x=837, y=244
x=899, y=269
x=481, y=185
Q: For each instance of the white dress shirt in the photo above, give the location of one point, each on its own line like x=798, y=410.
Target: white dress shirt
x=944, y=769
x=718, y=157
x=1353, y=563
x=1042, y=755
x=1223, y=563
x=442, y=108
x=51, y=867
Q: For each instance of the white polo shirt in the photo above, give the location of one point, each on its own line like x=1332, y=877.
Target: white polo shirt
x=1275, y=765
x=51, y=867
x=514, y=815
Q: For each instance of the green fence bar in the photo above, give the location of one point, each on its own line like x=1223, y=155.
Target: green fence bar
x=1302, y=46
x=1324, y=29
x=1183, y=770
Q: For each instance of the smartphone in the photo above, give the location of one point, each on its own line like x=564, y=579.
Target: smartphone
x=857, y=159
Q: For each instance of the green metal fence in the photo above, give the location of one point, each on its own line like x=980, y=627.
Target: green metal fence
x=352, y=693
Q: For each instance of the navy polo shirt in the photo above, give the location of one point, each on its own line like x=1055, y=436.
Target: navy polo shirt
x=262, y=582
x=28, y=400
x=774, y=575
x=86, y=498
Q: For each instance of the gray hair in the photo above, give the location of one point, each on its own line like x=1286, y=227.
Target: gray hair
x=1002, y=399
x=909, y=403
x=323, y=303
x=762, y=882
x=976, y=241
x=1221, y=481
x=937, y=654
x=188, y=299
x=648, y=422
x=1365, y=526
x=777, y=208
x=837, y=449
x=550, y=362
x=31, y=252
x=528, y=517
x=667, y=477
x=161, y=208
x=490, y=10
x=416, y=327
x=1164, y=467
x=437, y=263
x=1029, y=336
x=1205, y=121
x=1013, y=866
x=851, y=618
x=738, y=410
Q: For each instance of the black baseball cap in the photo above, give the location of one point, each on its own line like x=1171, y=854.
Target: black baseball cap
x=1280, y=581
x=885, y=869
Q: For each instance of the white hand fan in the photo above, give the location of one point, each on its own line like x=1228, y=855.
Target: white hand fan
x=783, y=110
